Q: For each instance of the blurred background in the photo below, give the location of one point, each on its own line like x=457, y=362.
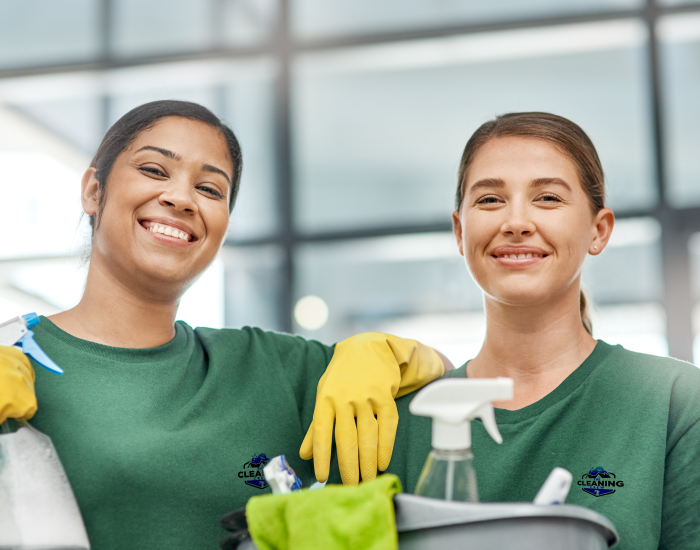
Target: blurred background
x=352, y=115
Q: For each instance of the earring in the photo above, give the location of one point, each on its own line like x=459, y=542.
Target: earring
x=595, y=247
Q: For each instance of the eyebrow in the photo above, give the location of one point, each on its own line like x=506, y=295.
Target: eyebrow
x=540, y=182
x=215, y=170
x=164, y=152
x=175, y=156
x=498, y=183
x=491, y=183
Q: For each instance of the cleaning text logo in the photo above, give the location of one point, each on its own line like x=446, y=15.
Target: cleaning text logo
x=252, y=471
x=599, y=482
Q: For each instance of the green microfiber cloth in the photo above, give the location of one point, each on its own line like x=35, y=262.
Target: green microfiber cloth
x=332, y=518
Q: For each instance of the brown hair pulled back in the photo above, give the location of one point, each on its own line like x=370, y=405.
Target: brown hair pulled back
x=567, y=137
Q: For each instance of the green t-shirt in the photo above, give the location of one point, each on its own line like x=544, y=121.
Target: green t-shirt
x=621, y=417
x=159, y=444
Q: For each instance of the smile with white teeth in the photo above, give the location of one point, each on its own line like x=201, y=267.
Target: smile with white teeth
x=522, y=256
x=170, y=231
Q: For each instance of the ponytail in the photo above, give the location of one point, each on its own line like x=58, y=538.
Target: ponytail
x=585, y=308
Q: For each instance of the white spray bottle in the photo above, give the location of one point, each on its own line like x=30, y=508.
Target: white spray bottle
x=38, y=510
x=453, y=403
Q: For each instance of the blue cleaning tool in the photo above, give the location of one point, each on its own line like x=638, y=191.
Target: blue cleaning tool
x=281, y=477
x=17, y=332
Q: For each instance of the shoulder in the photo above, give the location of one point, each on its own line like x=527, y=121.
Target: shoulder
x=649, y=370
x=266, y=341
x=661, y=383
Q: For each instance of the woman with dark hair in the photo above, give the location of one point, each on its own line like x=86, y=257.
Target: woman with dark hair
x=530, y=208
x=163, y=429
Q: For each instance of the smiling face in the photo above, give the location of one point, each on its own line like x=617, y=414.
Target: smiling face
x=526, y=225
x=165, y=213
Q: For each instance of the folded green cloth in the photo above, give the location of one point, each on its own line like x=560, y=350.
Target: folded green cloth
x=335, y=517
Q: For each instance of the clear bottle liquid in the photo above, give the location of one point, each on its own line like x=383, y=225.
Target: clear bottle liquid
x=37, y=507
x=449, y=475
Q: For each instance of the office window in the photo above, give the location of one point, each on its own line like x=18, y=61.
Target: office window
x=379, y=131
x=44, y=32
x=150, y=27
x=680, y=49
x=323, y=18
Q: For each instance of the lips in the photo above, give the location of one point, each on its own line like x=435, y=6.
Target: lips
x=518, y=256
x=518, y=252
x=169, y=230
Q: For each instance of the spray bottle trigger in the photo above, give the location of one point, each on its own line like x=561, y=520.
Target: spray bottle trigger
x=488, y=417
x=32, y=349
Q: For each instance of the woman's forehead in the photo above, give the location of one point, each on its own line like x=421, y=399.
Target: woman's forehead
x=518, y=159
x=185, y=138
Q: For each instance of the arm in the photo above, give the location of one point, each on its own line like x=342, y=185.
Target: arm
x=17, y=398
x=446, y=363
x=356, y=393
x=680, y=528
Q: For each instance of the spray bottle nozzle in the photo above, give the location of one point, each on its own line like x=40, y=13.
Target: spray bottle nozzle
x=16, y=332
x=454, y=403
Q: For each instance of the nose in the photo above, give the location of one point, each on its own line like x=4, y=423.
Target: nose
x=179, y=195
x=518, y=223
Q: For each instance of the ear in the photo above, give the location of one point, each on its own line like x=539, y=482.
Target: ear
x=602, y=229
x=457, y=230
x=90, y=192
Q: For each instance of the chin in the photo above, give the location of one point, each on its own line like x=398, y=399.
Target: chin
x=165, y=274
x=521, y=297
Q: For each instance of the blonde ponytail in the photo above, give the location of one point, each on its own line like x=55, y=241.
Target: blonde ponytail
x=585, y=308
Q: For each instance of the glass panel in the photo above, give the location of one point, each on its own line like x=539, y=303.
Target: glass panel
x=203, y=305
x=630, y=268
x=43, y=286
x=248, y=22
x=694, y=248
x=142, y=27
x=42, y=32
x=625, y=283
x=677, y=2
x=379, y=131
x=637, y=327
x=680, y=51
x=408, y=284
x=40, y=175
x=249, y=109
x=245, y=101
x=78, y=121
x=320, y=18
x=253, y=282
x=50, y=286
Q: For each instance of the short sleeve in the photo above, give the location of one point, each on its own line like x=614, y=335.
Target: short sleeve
x=680, y=528
x=303, y=362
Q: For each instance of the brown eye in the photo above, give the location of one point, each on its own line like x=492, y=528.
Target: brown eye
x=487, y=200
x=150, y=170
x=211, y=191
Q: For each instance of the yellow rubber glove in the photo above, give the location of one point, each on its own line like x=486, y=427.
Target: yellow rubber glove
x=17, y=398
x=367, y=372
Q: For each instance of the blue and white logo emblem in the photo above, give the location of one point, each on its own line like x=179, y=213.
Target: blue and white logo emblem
x=253, y=471
x=599, y=482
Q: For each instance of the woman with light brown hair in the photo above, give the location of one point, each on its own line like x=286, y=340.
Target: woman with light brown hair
x=530, y=208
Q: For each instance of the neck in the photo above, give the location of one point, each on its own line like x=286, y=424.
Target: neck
x=536, y=346
x=113, y=314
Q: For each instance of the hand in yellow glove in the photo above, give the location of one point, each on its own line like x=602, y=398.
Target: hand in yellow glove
x=17, y=398
x=367, y=372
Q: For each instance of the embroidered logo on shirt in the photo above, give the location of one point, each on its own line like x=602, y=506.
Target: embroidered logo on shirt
x=252, y=471
x=599, y=482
